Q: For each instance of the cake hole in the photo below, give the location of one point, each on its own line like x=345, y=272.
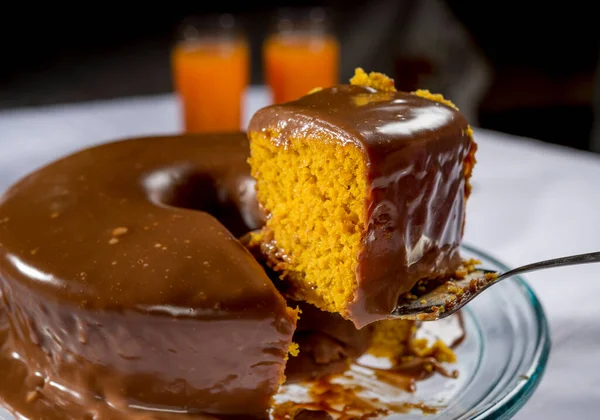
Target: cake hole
x=230, y=199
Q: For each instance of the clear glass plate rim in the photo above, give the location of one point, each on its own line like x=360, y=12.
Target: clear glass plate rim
x=517, y=396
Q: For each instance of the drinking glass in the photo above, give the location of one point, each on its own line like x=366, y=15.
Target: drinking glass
x=210, y=68
x=300, y=53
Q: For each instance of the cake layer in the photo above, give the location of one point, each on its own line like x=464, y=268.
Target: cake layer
x=120, y=287
x=364, y=191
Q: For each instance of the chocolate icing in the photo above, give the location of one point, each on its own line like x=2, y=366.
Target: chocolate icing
x=415, y=150
x=328, y=344
x=125, y=298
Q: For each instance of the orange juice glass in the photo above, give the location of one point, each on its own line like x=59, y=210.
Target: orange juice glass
x=210, y=68
x=300, y=55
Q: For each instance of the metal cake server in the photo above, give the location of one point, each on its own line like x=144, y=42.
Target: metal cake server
x=449, y=297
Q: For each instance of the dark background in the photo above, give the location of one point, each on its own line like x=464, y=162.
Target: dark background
x=541, y=57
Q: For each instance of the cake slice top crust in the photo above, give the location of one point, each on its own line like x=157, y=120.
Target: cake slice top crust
x=381, y=123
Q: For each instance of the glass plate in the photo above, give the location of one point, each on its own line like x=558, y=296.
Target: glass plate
x=500, y=362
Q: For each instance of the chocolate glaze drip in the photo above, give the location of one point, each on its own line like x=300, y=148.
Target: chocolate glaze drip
x=415, y=151
x=125, y=298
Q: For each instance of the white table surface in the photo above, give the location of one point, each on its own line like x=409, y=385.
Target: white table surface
x=530, y=201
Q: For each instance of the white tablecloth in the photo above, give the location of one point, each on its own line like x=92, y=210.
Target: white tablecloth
x=531, y=201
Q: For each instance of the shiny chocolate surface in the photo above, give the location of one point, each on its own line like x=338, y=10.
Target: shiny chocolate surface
x=125, y=297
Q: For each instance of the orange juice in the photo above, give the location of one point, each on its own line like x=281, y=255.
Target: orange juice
x=210, y=77
x=295, y=64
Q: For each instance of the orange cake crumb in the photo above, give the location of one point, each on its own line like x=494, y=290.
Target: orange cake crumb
x=294, y=349
x=395, y=340
x=438, y=350
x=375, y=80
x=391, y=338
x=424, y=93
